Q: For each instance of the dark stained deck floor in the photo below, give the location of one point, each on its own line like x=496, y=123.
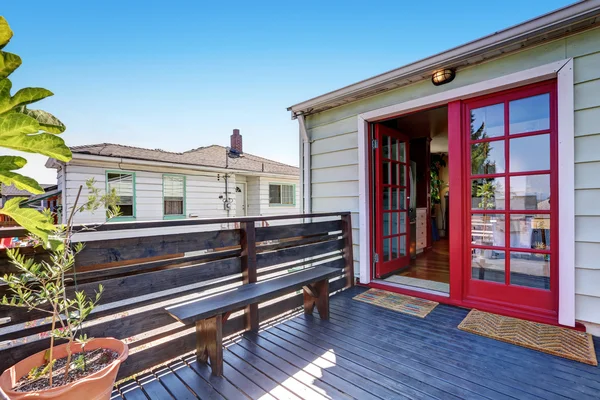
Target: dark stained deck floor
x=367, y=352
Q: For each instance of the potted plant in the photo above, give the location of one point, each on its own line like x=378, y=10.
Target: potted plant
x=81, y=368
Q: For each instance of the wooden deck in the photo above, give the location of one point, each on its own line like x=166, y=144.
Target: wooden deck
x=367, y=352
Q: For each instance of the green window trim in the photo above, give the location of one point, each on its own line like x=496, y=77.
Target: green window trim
x=126, y=217
x=174, y=216
x=281, y=184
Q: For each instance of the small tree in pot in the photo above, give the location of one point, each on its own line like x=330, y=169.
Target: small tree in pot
x=41, y=285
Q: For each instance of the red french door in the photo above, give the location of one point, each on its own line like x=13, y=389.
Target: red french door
x=512, y=197
x=391, y=200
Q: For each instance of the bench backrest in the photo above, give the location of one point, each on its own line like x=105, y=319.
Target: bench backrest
x=147, y=266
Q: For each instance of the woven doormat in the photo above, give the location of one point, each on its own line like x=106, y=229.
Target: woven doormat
x=561, y=342
x=397, y=302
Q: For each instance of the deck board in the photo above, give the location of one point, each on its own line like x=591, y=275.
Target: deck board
x=368, y=352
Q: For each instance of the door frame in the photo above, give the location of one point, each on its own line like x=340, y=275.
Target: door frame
x=562, y=71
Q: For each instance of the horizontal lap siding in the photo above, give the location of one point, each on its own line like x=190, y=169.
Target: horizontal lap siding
x=202, y=193
x=586, y=52
x=334, y=147
x=267, y=209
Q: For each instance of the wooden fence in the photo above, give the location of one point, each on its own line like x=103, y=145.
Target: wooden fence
x=158, y=268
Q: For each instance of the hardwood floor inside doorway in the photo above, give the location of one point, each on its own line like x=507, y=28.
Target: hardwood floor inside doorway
x=431, y=265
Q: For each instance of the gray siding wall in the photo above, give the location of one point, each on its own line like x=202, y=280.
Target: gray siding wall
x=334, y=168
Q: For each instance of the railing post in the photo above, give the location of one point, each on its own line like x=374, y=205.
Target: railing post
x=348, y=257
x=249, y=274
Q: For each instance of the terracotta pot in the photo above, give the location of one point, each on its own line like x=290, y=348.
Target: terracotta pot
x=96, y=386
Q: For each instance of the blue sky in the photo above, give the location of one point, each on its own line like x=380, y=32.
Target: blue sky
x=182, y=74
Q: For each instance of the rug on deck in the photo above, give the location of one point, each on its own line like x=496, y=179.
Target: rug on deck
x=561, y=342
x=397, y=302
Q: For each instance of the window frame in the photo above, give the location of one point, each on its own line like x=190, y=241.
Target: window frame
x=126, y=217
x=174, y=216
x=280, y=184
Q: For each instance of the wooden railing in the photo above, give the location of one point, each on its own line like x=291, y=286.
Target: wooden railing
x=146, y=266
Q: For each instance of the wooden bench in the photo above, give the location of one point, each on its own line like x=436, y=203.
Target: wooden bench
x=211, y=313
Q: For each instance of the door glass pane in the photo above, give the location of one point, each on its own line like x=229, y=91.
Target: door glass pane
x=386, y=249
x=395, y=253
x=386, y=224
x=402, y=240
x=394, y=180
x=488, y=265
x=487, y=122
x=529, y=231
x=531, y=192
x=403, y=222
x=385, y=167
x=401, y=152
x=402, y=199
x=487, y=158
x=385, y=146
x=488, y=229
x=531, y=153
x=402, y=180
x=394, y=223
x=487, y=194
x=395, y=199
x=530, y=269
x=394, y=148
x=530, y=114
x=386, y=198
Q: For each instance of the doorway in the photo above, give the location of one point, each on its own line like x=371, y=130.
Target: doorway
x=240, y=199
x=411, y=198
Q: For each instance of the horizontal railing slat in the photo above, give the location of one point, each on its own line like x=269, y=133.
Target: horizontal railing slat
x=297, y=230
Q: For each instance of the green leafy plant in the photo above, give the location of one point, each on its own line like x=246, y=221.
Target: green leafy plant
x=438, y=161
x=31, y=131
x=41, y=285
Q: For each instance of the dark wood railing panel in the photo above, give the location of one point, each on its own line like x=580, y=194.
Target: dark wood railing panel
x=297, y=230
x=297, y=253
x=142, y=275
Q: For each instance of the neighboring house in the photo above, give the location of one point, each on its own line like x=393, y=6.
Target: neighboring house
x=207, y=182
x=517, y=114
x=49, y=199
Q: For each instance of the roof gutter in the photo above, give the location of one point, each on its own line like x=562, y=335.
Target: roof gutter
x=133, y=161
x=543, y=25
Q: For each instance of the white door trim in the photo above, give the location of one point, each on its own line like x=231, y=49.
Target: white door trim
x=563, y=71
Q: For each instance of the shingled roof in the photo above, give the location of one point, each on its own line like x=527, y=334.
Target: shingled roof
x=210, y=156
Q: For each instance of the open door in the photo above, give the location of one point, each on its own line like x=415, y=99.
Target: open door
x=392, y=196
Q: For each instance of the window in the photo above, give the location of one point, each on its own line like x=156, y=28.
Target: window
x=282, y=195
x=123, y=183
x=173, y=196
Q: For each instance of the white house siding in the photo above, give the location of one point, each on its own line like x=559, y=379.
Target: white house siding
x=266, y=209
x=334, y=163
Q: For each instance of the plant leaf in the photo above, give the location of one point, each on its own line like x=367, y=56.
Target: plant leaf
x=21, y=182
x=9, y=62
x=12, y=162
x=15, y=130
x=47, y=121
x=29, y=218
x=28, y=96
x=5, y=32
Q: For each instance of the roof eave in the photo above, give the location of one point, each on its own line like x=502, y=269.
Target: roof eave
x=494, y=45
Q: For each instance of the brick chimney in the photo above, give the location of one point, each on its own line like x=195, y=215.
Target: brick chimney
x=236, y=141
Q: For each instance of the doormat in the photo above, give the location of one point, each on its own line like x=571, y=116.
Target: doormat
x=561, y=342
x=397, y=302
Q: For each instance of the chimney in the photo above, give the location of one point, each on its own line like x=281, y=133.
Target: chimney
x=236, y=141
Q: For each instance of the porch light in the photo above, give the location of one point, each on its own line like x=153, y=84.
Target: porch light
x=443, y=76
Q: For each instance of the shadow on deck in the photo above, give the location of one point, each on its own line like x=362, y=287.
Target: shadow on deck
x=367, y=352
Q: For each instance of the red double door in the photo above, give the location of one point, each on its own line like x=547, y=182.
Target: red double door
x=503, y=161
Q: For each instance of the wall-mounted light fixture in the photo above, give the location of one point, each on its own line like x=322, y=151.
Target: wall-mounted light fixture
x=443, y=76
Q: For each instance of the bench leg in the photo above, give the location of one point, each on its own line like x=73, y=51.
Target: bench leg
x=251, y=317
x=209, y=343
x=317, y=295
